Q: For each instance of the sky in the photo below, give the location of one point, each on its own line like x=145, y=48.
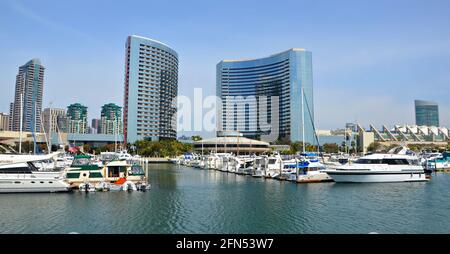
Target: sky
x=371, y=59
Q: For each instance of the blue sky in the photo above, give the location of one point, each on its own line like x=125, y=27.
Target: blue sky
x=371, y=59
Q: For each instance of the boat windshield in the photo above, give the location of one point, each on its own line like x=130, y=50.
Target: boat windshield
x=81, y=161
x=272, y=161
x=390, y=161
x=108, y=157
x=136, y=170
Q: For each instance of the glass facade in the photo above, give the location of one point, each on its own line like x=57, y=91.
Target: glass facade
x=151, y=85
x=279, y=76
x=427, y=113
x=29, y=83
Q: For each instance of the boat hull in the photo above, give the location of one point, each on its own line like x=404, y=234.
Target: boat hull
x=314, y=178
x=376, y=177
x=33, y=186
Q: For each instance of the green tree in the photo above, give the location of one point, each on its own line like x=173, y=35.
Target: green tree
x=196, y=138
x=163, y=148
x=87, y=148
x=295, y=147
x=330, y=148
x=374, y=146
x=27, y=147
x=353, y=144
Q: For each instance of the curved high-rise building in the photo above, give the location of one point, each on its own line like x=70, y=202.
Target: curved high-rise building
x=267, y=91
x=427, y=113
x=151, y=84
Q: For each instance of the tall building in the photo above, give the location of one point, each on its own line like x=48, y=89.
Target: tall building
x=62, y=122
x=151, y=84
x=11, y=112
x=4, y=122
x=427, y=113
x=111, y=119
x=95, y=125
x=278, y=78
x=77, y=119
x=28, y=93
x=50, y=119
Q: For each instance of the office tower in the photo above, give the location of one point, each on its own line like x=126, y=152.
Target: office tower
x=427, y=113
x=281, y=79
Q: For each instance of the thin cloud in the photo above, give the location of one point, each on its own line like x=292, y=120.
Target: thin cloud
x=21, y=9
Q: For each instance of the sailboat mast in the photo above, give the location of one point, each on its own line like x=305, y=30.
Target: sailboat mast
x=21, y=123
x=34, y=130
x=50, y=125
x=115, y=133
x=303, y=120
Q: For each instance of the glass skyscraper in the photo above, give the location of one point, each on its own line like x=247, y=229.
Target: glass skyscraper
x=29, y=87
x=427, y=113
x=151, y=85
x=279, y=76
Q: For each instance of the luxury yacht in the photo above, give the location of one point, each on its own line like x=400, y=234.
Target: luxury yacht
x=25, y=177
x=397, y=166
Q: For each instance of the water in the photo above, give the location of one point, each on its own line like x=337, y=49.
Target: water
x=187, y=200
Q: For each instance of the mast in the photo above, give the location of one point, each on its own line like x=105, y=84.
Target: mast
x=21, y=123
x=59, y=135
x=34, y=130
x=50, y=123
x=115, y=133
x=238, y=143
x=303, y=120
x=49, y=147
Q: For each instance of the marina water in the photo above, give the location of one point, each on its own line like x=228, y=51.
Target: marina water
x=188, y=200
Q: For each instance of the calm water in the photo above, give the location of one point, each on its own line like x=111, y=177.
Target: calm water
x=186, y=200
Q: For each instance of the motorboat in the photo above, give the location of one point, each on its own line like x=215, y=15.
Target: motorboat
x=84, y=170
x=437, y=161
x=260, y=164
x=25, y=177
x=398, y=165
x=124, y=155
x=275, y=166
x=312, y=171
x=245, y=165
x=86, y=187
x=6, y=159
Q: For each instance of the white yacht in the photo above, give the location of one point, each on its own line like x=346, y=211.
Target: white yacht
x=6, y=159
x=25, y=177
x=311, y=170
x=395, y=166
x=274, y=166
